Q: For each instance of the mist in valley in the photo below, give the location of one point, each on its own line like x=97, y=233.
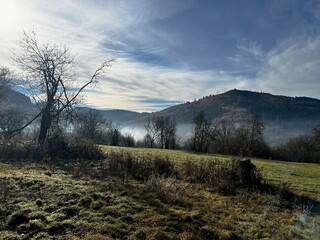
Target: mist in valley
x=275, y=133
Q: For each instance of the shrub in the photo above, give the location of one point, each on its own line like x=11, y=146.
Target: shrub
x=125, y=164
x=15, y=151
x=167, y=188
x=224, y=177
x=61, y=148
x=84, y=149
x=57, y=148
x=53, y=149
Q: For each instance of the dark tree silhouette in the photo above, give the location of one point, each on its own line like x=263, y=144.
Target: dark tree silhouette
x=161, y=129
x=11, y=118
x=153, y=128
x=51, y=73
x=114, y=134
x=316, y=133
x=224, y=131
x=251, y=133
x=92, y=125
x=202, y=134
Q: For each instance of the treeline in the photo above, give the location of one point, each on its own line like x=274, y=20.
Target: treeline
x=161, y=133
x=223, y=136
x=92, y=125
x=304, y=148
x=89, y=125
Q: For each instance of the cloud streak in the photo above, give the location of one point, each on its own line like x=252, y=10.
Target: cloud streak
x=292, y=68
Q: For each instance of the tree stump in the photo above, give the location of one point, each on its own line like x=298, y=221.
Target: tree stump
x=247, y=172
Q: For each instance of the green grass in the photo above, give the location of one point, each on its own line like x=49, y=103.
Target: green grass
x=302, y=178
x=177, y=155
x=38, y=201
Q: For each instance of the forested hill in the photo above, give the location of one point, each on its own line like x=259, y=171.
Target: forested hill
x=237, y=104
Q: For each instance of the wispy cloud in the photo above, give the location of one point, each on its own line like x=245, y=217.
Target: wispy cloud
x=174, y=51
x=169, y=85
x=292, y=68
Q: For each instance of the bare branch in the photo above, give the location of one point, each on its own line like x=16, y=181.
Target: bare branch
x=53, y=68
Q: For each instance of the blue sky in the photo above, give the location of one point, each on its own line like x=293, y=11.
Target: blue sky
x=171, y=51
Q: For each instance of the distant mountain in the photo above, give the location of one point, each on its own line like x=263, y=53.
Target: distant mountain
x=238, y=104
x=123, y=116
x=19, y=100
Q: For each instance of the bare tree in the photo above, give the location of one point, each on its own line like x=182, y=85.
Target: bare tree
x=152, y=126
x=10, y=119
x=114, y=134
x=148, y=141
x=224, y=130
x=161, y=129
x=128, y=140
x=170, y=133
x=92, y=125
x=51, y=72
x=202, y=134
x=251, y=133
x=316, y=134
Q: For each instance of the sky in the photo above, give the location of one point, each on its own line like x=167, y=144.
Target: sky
x=171, y=51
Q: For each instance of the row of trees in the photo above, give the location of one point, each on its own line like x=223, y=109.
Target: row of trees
x=305, y=148
x=223, y=136
x=92, y=125
x=161, y=132
x=88, y=124
x=246, y=139
x=220, y=136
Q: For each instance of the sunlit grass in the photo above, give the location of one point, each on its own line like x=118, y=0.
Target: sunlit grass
x=60, y=206
x=303, y=178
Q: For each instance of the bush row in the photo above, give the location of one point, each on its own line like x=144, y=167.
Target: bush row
x=53, y=149
x=225, y=177
x=125, y=164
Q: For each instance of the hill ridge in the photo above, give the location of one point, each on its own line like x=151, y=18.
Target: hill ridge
x=237, y=104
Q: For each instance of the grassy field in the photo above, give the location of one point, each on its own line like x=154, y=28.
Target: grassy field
x=45, y=201
x=302, y=178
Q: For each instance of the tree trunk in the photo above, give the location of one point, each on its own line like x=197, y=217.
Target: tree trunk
x=44, y=125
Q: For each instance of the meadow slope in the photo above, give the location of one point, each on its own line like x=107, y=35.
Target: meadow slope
x=76, y=201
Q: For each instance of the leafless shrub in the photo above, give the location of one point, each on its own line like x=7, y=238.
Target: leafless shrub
x=224, y=177
x=17, y=150
x=83, y=149
x=125, y=164
x=167, y=188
